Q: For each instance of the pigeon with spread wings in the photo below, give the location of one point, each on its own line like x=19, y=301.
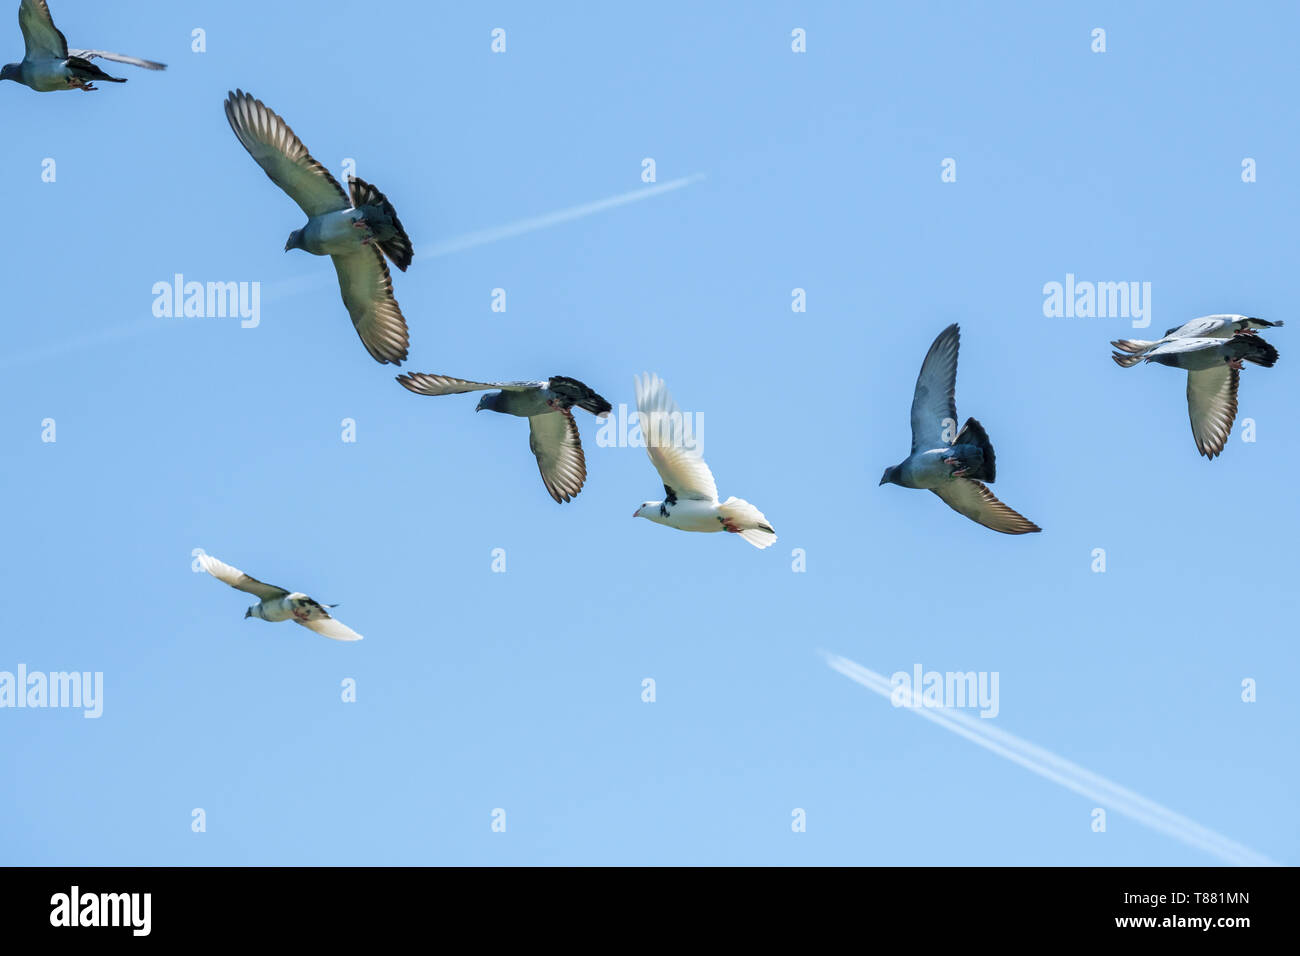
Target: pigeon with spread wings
x=49, y=65
x=278, y=604
x=552, y=430
x=952, y=465
x=356, y=228
x=690, y=497
x=1213, y=368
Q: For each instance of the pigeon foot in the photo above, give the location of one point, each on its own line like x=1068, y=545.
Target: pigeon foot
x=1238, y=364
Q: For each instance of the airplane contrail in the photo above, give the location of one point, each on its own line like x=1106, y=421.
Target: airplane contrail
x=286, y=287
x=1059, y=770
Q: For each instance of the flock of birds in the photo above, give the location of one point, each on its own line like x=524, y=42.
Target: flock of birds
x=359, y=230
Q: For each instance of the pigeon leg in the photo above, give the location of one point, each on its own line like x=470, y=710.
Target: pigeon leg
x=959, y=471
x=1238, y=364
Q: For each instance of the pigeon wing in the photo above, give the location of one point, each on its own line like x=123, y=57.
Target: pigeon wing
x=283, y=157
x=118, y=58
x=663, y=428
x=332, y=628
x=934, y=408
x=41, y=37
x=554, y=439
x=973, y=499
x=238, y=579
x=367, y=291
x=1212, y=407
x=424, y=384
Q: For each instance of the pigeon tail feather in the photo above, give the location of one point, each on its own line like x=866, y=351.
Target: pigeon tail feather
x=973, y=433
x=85, y=70
x=753, y=525
x=1132, y=345
x=1126, y=361
x=397, y=247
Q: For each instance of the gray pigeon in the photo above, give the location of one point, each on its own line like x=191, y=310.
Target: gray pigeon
x=279, y=604
x=1213, y=368
x=952, y=467
x=552, y=431
x=1206, y=327
x=49, y=65
x=356, y=228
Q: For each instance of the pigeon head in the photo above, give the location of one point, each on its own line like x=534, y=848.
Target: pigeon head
x=11, y=71
x=641, y=512
x=294, y=241
x=890, y=476
x=491, y=401
x=253, y=611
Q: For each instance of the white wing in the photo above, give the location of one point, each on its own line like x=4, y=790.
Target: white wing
x=679, y=462
x=283, y=157
x=1185, y=344
x=1212, y=407
x=238, y=579
x=367, y=291
x=332, y=628
x=118, y=58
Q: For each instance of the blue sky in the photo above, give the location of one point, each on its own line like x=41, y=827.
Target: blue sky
x=522, y=690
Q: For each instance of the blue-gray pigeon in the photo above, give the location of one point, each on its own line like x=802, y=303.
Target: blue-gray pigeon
x=356, y=228
x=953, y=466
x=1213, y=365
x=552, y=432
x=49, y=65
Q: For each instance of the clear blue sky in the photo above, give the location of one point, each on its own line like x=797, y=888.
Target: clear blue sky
x=522, y=690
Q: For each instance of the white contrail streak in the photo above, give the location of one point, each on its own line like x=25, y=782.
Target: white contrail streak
x=470, y=240
x=288, y=287
x=1060, y=771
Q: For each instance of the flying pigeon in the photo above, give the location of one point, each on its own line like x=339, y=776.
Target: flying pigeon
x=277, y=604
x=552, y=431
x=1213, y=367
x=1206, y=327
x=355, y=228
x=952, y=468
x=690, y=496
x=49, y=65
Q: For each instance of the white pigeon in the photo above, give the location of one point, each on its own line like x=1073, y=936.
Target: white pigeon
x=277, y=604
x=49, y=65
x=1206, y=327
x=691, y=502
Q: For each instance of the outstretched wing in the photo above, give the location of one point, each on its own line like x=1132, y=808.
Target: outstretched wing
x=933, y=406
x=554, y=439
x=40, y=36
x=238, y=579
x=973, y=499
x=368, y=294
x=332, y=628
x=118, y=58
x=1212, y=407
x=674, y=453
x=423, y=383
x=283, y=157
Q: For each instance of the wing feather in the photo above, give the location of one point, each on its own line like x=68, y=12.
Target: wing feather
x=238, y=579
x=973, y=499
x=674, y=453
x=933, y=403
x=367, y=291
x=332, y=628
x=1212, y=407
x=41, y=38
x=555, y=441
x=423, y=383
x=283, y=157
x=118, y=58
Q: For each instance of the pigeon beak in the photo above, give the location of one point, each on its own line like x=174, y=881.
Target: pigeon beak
x=248, y=613
x=635, y=513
